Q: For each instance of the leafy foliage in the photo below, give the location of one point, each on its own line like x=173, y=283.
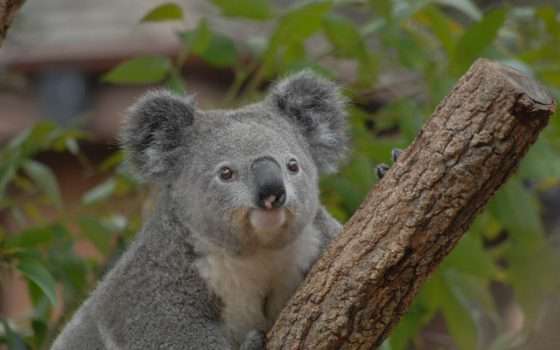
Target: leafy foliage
x=435, y=41
x=141, y=70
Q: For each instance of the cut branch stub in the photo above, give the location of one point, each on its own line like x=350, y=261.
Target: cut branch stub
x=411, y=220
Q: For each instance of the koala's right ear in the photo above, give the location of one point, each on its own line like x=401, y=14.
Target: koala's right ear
x=154, y=134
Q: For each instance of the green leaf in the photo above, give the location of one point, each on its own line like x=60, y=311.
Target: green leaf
x=202, y=37
x=141, y=70
x=508, y=340
x=532, y=265
x=476, y=39
x=113, y=161
x=7, y=173
x=35, y=272
x=344, y=36
x=253, y=9
x=470, y=257
x=31, y=238
x=215, y=48
x=383, y=8
x=100, y=192
x=96, y=233
x=518, y=211
x=403, y=10
x=221, y=51
x=459, y=320
x=533, y=274
x=72, y=146
x=115, y=222
x=470, y=290
x=441, y=25
x=40, y=329
x=350, y=197
x=176, y=83
x=468, y=7
x=297, y=25
x=164, y=12
x=549, y=15
x=13, y=340
x=32, y=139
x=198, y=39
x=45, y=179
x=368, y=69
x=409, y=326
x=541, y=163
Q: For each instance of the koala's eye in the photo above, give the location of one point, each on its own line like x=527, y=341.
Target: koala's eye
x=293, y=166
x=226, y=173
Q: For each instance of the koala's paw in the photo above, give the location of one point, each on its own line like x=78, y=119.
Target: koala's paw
x=254, y=340
x=382, y=169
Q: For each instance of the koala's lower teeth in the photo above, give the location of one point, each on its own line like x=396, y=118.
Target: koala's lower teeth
x=267, y=220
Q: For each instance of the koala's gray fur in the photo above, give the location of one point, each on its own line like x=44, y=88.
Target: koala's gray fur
x=206, y=272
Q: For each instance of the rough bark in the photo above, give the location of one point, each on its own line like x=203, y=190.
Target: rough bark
x=413, y=218
x=8, y=9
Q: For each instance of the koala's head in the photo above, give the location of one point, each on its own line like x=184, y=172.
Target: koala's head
x=243, y=179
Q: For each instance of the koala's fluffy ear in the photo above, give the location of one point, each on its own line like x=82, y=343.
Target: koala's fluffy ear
x=317, y=108
x=153, y=135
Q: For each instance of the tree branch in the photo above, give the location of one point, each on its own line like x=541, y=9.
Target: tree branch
x=8, y=9
x=411, y=220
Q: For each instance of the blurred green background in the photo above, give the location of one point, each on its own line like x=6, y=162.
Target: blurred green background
x=68, y=207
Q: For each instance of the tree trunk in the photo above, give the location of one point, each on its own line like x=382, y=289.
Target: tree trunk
x=8, y=10
x=366, y=280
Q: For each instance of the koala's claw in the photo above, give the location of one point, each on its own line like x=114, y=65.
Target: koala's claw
x=381, y=169
x=255, y=340
x=395, y=153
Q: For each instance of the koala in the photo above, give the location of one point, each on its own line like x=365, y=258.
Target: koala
x=237, y=222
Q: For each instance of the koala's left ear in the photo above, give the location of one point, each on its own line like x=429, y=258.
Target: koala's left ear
x=317, y=108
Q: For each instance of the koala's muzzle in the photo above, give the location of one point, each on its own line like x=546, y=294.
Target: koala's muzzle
x=270, y=190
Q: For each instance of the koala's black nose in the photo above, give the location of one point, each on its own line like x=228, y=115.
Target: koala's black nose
x=270, y=190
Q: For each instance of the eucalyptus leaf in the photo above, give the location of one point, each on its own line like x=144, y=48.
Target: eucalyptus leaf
x=467, y=7
x=100, y=192
x=45, y=180
x=408, y=327
x=344, y=35
x=176, y=83
x=461, y=325
x=165, y=12
x=35, y=272
x=296, y=26
x=13, y=340
x=382, y=8
x=199, y=39
x=217, y=49
x=221, y=51
x=31, y=238
x=252, y=9
x=476, y=39
x=96, y=233
x=140, y=70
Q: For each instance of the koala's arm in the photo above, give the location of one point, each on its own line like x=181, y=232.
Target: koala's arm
x=328, y=226
x=164, y=321
x=133, y=324
x=149, y=302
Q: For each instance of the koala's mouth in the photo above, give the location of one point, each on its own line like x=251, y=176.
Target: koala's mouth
x=267, y=220
x=257, y=228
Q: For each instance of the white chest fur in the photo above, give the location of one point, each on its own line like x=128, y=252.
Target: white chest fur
x=254, y=289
